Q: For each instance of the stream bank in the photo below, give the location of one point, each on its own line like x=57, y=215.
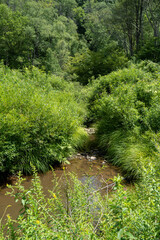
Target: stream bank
x=85, y=165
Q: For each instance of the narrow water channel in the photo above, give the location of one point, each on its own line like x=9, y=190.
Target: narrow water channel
x=83, y=166
x=88, y=165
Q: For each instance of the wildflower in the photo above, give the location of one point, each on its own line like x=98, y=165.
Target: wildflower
x=9, y=217
x=125, y=197
x=63, y=168
x=37, y=221
x=54, y=195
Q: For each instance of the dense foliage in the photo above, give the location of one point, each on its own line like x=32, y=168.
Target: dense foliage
x=66, y=63
x=57, y=35
x=125, y=105
x=40, y=120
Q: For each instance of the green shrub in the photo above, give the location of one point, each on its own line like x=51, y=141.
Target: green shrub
x=150, y=50
x=85, y=66
x=149, y=66
x=108, y=84
x=38, y=123
x=124, y=103
x=133, y=214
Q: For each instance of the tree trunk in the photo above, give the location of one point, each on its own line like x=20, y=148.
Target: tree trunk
x=139, y=16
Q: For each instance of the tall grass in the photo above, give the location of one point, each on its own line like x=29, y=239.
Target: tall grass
x=125, y=107
x=40, y=120
x=130, y=151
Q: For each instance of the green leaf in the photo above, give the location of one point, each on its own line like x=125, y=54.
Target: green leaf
x=120, y=233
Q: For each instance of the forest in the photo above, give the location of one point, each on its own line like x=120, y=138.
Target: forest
x=66, y=65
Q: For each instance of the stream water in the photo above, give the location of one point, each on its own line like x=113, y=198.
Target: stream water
x=88, y=165
x=84, y=166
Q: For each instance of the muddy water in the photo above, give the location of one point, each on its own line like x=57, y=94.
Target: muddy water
x=84, y=166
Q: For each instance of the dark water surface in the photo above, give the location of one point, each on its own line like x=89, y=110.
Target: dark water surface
x=84, y=167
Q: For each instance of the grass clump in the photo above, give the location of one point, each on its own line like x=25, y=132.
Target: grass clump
x=130, y=151
x=39, y=120
x=125, y=106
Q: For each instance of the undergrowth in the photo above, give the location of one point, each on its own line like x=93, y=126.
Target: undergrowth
x=41, y=119
x=85, y=214
x=125, y=107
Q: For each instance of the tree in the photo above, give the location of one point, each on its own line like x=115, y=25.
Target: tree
x=153, y=15
x=139, y=7
x=96, y=24
x=13, y=39
x=127, y=16
x=123, y=17
x=37, y=36
x=66, y=7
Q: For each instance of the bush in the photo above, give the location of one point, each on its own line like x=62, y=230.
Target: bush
x=108, y=84
x=149, y=66
x=85, y=66
x=125, y=106
x=38, y=123
x=150, y=50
